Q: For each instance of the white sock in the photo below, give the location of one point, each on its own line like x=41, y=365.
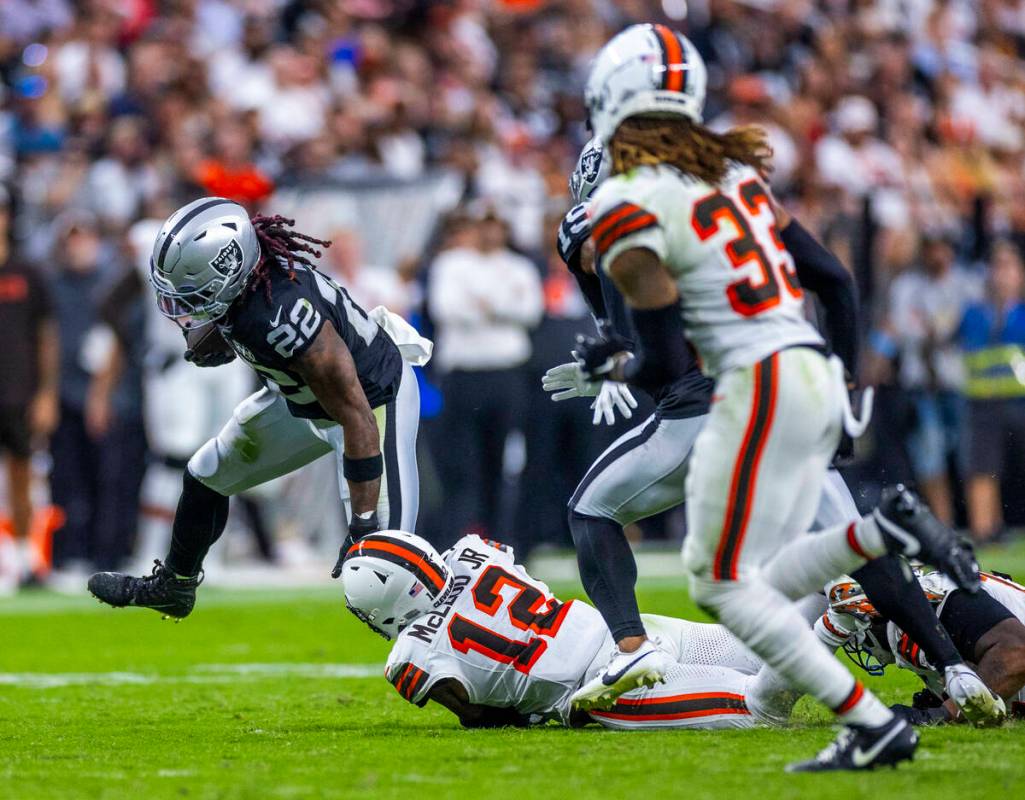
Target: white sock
x=773, y=627
x=810, y=561
x=861, y=707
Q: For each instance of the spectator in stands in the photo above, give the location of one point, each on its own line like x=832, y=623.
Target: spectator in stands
x=887, y=117
x=230, y=171
x=99, y=446
x=28, y=387
x=484, y=300
x=925, y=309
x=992, y=333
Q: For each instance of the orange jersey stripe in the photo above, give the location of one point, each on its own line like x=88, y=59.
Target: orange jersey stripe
x=625, y=227
x=612, y=217
x=412, y=683
x=712, y=712
x=676, y=698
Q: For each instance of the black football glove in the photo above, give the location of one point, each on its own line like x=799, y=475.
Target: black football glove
x=215, y=358
x=359, y=526
x=921, y=717
x=926, y=698
x=574, y=230
x=596, y=355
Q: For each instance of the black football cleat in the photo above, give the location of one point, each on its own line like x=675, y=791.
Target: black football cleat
x=161, y=590
x=910, y=529
x=858, y=747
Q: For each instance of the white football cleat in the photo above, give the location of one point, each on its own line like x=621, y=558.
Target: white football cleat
x=979, y=704
x=645, y=666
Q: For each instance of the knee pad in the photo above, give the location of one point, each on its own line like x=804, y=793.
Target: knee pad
x=203, y=463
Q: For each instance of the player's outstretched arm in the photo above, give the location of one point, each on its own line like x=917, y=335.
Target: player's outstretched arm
x=452, y=694
x=328, y=369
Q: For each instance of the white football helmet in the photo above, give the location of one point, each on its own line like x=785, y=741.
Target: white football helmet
x=645, y=69
x=592, y=168
x=391, y=578
x=202, y=259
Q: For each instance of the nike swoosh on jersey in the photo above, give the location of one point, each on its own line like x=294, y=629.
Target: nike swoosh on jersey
x=608, y=680
x=862, y=758
x=277, y=318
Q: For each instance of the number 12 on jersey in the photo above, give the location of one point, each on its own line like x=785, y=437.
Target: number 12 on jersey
x=528, y=610
x=751, y=295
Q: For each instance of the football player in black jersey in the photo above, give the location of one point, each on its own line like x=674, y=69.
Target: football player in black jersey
x=335, y=379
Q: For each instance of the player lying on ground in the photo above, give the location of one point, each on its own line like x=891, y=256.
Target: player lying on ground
x=335, y=380
x=475, y=633
x=685, y=229
x=644, y=471
x=988, y=628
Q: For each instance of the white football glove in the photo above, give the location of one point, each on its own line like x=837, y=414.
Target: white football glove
x=610, y=397
x=568, y=381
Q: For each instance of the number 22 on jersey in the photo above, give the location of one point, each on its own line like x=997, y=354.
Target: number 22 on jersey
x=528, y=610
x=753, y=294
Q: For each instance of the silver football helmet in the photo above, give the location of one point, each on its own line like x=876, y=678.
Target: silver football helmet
x=202, y=259
x=592, y=168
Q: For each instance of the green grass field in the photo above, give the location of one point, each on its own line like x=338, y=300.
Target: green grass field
x=280, y=695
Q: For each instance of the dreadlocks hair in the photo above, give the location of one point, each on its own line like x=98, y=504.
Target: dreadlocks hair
x=688, y=146
x=278, y=243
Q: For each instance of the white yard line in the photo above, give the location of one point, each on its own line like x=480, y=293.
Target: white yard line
x=202, y=674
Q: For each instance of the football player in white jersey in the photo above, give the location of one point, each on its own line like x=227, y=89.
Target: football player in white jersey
x=685, y=229
x=987, y=627
x=475, y=633
x=645, y=470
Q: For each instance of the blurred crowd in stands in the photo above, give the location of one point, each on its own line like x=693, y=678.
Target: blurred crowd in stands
x=899, y=135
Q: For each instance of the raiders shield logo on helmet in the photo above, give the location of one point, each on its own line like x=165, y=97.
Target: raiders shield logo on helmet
x=589, y=171
x=228, y=259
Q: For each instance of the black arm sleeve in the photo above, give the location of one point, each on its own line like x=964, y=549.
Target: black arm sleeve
x=574, y=231
x=663, y=355
x=967, y=617
x=590, y=286
x=821, y=272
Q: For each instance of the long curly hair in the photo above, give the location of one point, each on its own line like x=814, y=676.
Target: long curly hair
x=281, y=247
x=688, y=146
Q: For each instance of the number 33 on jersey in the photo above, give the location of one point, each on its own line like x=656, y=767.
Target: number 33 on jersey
x=739, y=294
x=500, y=633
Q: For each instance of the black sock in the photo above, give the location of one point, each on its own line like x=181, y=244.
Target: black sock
x=608, y=572
x=898, y=596
x=198, y=523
